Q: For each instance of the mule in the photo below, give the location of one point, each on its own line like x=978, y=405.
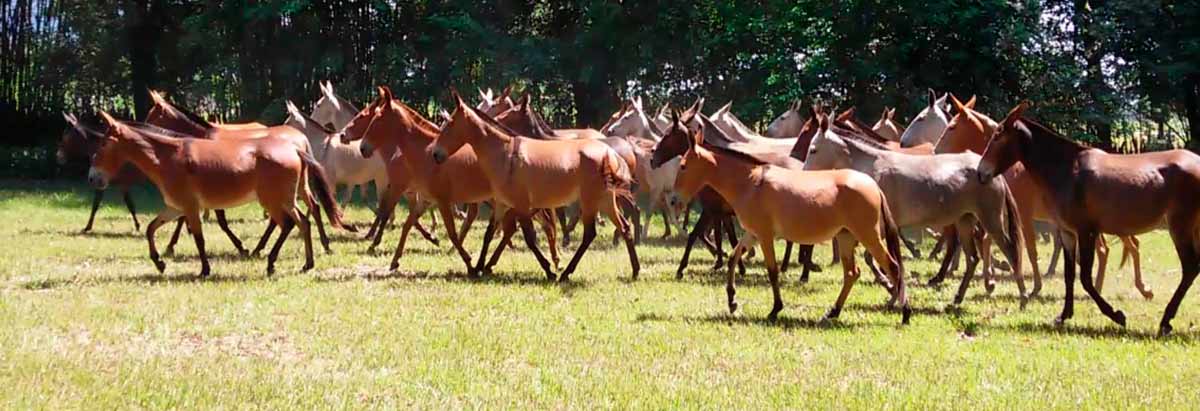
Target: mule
x=929, y=191
x=886, y=125
x=802, y=206
x=928, y=125
x=1081, y=183
x=528, y=174
x=197, y=174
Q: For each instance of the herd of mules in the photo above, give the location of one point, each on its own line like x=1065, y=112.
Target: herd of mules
x=814, y=176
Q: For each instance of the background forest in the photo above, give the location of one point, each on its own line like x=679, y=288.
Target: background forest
x=1122, y=75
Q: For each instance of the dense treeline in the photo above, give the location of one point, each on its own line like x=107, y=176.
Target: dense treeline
x=1114, y=73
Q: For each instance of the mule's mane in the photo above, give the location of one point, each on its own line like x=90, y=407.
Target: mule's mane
x=417, y=117
x=488, y=120
x=89, y=130
x=155, y=131
x=734, y=153
x=539, y=124
x=309, y=121
x=190, y=116
x=866, y=132
x=858, y=139
x=1039, y=129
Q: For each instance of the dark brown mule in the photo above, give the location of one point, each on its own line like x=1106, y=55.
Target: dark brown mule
x=400, y=134
x=78, y=145
x=1081, y=184
x=528, y=174
x=166, y=115
x=194, y=175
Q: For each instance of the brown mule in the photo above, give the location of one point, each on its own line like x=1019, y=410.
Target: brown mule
x=400, y=134
x=1080, y=184
x=196, y=174
x=528, y=174
x=802, y=206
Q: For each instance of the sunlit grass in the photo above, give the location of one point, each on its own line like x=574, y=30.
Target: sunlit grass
x=86, y=322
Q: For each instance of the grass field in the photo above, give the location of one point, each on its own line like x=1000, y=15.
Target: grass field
x=86, y=322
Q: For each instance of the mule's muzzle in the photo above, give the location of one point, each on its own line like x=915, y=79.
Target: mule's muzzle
x=985, y=172
x=60, y=157
x=366, y=149
x=439, y=155
x=97, y=178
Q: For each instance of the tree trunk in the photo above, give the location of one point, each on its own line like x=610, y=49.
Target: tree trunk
x=1191, y=106
x=144, y=30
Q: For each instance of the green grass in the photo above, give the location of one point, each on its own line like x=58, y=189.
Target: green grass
x=86, y=322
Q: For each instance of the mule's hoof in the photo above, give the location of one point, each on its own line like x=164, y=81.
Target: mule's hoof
x=934, y=282
x=733, y=306
x=1024, y=301
x=679, y=275
x=1037, y=290
x=161, y=266
x=371, y=250
x=563, y=279
x=204, y=272
x=307, y=266
x=393, y=266
x=1061, y=320
x=905, y=314
x=1148, y=295
x=1119, y=318
x=989, y=286
x=814, y=268
x=1165, y=330
x=270, y=270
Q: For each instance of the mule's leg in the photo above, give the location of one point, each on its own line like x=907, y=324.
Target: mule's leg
x=193, y=222
x=697, y=232
x=845, y=243
x=1132, y=248
x=508, y=229
x=912, y=247
x=768, y=251
x=965, y=229
x=285, y=229
x=655, y=195
x=1101, y=262
x=952, y=249
x=99, y=195
x=889, y=260
x=1010, y=247
x=487, y=241
x=1087, y=254
x=561, y=214
x=716, y=225
x=551, y=232
x=306, y=235
x=1183, y=235
x=530, y=235
x=1030, y=234
x=414, y=214
x=174, y=237
x=1058, y=248
x=589, y=234
x=424, y=232
x=613, y=213
x=262, y=240
x=983, y=245
x=787, y=256
x=315, y=210
x=735, y=255
x=1069, y=252
x=937, y=247
x=132, y=210
x=468, y=221
x=804, y=258
x=447, y=212
x=224, y=224
x=387, y=206
x=163, y=217
x=732, y=234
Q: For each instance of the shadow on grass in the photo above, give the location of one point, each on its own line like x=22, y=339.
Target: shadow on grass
x=782, y=322
x=141, y=279
x=1108, y=331
x=78, y=233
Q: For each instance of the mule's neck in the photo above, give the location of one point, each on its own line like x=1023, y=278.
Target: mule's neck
x=863, y=157
x=1049, y=158
x=732, y=176
x=148, y=151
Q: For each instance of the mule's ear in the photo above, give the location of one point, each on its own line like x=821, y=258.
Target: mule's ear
x=970, y=103
x=724, y=109
x=1015, y=114
x=457, y=98
x=846, y=115
x=485, y=95
x=637, y=103
x=157, y=97
x=387, y=92
x=958, y=105
x=524, y=102
x=380, y=90
x=666, y=108
x=295, y=113
x=445, y=115
x=505, y=94
x=70, y=118
x=932, y=98
x=108, y=119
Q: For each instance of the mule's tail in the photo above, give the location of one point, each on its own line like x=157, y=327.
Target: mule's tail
x=1126, y=252
x=891, y=237
x=1013, y=227
x=617, y=176
x=324, y=192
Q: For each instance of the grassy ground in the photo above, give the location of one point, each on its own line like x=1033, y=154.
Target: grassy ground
x=86, y=322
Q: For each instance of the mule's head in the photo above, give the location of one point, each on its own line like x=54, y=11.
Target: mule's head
x=788, y=124
x=697, y=166
x=966, y=131
x=885, y=127
x=361, y=126
x=77, y=143
x=113, y=152
x=331, y=111
x=676, y=141
x=827, y=151
x=633, y=121
x=928, y=125
x=519, y=117
x=494, y=105
x=1006, y=145
x=465, y=127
